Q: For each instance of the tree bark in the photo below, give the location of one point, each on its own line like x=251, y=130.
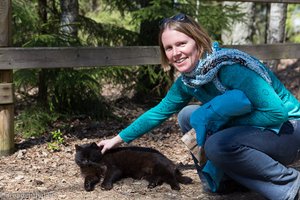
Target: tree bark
x=241, y=32
x=42, y=76
x=276, y=28
x=69, y=17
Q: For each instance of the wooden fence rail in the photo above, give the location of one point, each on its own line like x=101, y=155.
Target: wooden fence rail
x=22, y=58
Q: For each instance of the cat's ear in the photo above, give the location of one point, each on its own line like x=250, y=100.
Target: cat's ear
x=94, y=144
x=77, y=147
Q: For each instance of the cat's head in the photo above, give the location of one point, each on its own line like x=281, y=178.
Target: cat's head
x=88, y=154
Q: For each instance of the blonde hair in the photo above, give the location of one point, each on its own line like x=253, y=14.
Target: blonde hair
x=190, y=28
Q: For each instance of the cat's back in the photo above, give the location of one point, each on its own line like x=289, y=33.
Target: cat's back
x=136, y=155
x=135, y=150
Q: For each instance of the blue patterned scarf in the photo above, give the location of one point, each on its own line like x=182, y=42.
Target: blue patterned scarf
x=207, y=68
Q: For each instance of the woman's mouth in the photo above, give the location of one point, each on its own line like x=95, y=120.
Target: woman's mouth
x=180, y=60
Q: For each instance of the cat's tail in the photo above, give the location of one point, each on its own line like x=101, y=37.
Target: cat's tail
x=182, y=179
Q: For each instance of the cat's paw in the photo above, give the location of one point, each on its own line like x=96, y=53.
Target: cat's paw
x=186, y=180
x=106, y=186
x=88, y=187
x=90, y=183
x=152, y=185
x=175, y=187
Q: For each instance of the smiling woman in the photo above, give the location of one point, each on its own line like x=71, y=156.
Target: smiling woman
x=188, y=29
x=180, y=50
x=246, y=113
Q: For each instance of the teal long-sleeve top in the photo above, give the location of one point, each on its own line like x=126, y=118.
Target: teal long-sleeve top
x=271, y=105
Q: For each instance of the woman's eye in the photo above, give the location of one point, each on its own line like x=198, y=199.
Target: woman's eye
x=168, y=49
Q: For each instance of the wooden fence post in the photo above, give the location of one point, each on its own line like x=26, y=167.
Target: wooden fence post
x=6, y=85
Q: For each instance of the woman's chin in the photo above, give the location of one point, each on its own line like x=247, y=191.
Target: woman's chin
x=184, y=70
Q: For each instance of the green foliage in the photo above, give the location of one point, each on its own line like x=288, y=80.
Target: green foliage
x=34, y=121
x=76, y=92
x=68, y=90
x=153, y=82
x=25, y=21
x=25, y=79
x=212, y=15
x=93, y=33
x=118, y=75
x=57, y=140
x=216, y=17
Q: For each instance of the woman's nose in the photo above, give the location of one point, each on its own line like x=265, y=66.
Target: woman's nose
x=175, y=52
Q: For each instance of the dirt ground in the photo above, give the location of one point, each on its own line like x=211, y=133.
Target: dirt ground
x=35, y=172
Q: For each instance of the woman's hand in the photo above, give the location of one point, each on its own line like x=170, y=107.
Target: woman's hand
x=110, y=143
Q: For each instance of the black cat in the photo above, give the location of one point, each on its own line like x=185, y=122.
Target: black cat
x=122, y=162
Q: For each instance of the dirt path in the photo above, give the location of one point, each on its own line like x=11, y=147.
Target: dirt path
x=34, y=172
x=37, y=173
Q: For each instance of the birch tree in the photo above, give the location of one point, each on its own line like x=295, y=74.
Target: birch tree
x=276, y=28
x=69, y=16
x=241, y=32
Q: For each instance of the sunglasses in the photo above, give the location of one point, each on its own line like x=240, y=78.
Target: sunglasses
x=176, y=18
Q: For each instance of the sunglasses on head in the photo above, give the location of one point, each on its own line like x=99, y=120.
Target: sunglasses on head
x=178, y=18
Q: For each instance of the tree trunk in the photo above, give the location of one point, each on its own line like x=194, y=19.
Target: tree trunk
x=241, y=32
x=276, y=28
x=69, y=16
x=42, y=79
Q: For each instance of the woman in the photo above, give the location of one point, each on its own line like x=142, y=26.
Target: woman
x=248, y=124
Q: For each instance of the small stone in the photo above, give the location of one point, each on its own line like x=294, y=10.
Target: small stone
x=19, y=177
x=37, y=182
x=21, y=154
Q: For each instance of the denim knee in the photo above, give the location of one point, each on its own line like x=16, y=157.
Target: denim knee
x=212, y=149
x=218, y=149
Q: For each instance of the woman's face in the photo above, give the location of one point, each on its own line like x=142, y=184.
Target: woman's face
x=180, y=49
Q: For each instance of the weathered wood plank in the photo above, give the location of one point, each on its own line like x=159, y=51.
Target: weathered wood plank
x=6, y=93
x=6, y=130
x=271, y=51
x=5, y=18
x=6, y=78
x=76, y=57
x=6, y=119
x=265, y=1
x=17, y=58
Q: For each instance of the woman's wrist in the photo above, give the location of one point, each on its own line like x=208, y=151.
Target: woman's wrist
x=117, y=140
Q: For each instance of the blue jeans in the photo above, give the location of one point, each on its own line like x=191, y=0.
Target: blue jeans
x=257, y=159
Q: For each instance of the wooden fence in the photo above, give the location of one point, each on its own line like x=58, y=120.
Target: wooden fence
x=18, y=58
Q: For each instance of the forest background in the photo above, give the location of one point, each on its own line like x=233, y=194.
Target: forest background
x=46, y=96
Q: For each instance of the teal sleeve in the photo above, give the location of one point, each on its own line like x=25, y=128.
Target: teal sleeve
x=173, y=102
x=210, y=117
x=268, y=110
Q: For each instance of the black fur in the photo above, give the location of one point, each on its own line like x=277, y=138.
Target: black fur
x=122, y=162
